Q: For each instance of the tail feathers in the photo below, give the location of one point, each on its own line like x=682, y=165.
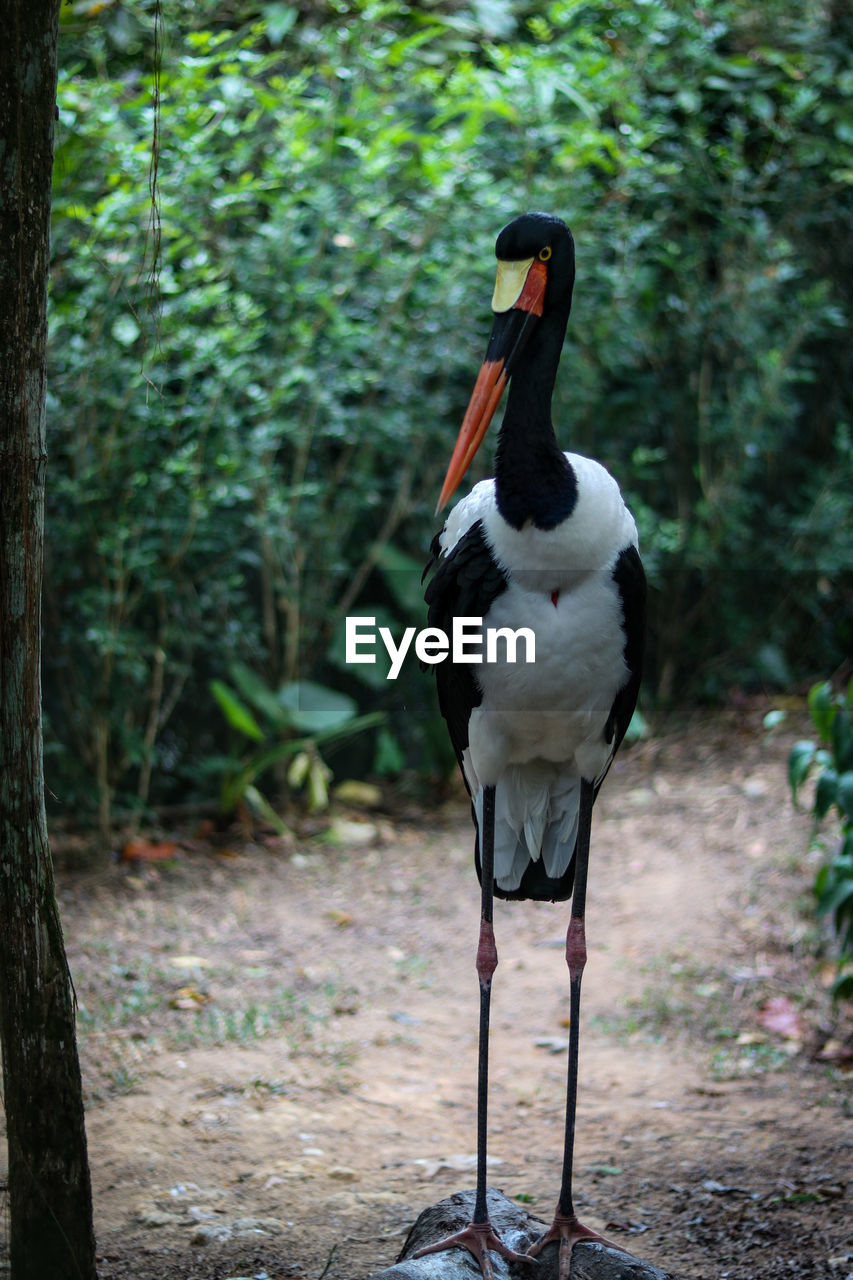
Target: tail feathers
x=536, y=816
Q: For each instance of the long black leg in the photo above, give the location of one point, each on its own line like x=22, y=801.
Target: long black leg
x=576, y=960
x=566, y=1229
x=487, y=961
x=480, y=1236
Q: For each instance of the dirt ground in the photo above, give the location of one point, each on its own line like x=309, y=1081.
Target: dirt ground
x=278, y=1038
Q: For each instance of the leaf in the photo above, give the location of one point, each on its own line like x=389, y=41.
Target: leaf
x=259, y=804
x=145, y=851
x=780, y=1015
x=188, y=999
x=236, y=712
x=836, y=897
x=389, y=757
x=314, y=708
x=799, y=763
x=554, y=1044
x=822, y=709
x=842, y=740
x=190, y=962
x=317, y=786
x=402, y=574
x=298, y=770
x=825, y=793
x=262, y=697
x=844, y=794
x=364, y=795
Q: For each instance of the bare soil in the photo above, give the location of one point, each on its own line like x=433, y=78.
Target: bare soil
x=278, y=1038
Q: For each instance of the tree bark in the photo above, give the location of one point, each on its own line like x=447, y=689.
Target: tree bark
x=51, y=1233
x=517, y=1229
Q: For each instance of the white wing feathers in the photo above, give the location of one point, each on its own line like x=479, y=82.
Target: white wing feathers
x=536, y=815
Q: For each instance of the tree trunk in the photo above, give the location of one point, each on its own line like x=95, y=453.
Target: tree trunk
x=49, y=1189
x=517, y=1229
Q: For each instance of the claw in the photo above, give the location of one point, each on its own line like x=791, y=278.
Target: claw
x=478, y=1238
x=567, y=1232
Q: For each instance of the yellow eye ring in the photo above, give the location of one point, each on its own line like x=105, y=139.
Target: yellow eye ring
x=544, y=254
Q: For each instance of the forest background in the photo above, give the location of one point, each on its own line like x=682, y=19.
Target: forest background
x=272, y=235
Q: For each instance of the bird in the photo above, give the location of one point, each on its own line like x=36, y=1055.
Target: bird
x=547, y=544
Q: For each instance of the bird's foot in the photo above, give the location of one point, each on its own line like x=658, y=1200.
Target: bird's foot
x=567, y=1232
x=478, y=1238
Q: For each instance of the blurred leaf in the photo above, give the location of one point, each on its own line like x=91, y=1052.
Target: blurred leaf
x=388, y=758
x=822, y=709
x=237, y=713
x=403, y=574
x=800, y=760
x=264, y=699
x=314, y=708
x=844, y=795
x=826, y=792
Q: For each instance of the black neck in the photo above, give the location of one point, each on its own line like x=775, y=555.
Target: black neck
x=534, y=482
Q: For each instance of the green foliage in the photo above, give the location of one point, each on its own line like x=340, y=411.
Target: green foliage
x=242, y=436
x=832, y=758
x=288, y=725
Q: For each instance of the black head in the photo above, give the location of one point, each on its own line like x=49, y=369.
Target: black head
x=531, y=302
x=544, y=237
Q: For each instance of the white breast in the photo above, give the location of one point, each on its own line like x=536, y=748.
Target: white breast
x=540, y=726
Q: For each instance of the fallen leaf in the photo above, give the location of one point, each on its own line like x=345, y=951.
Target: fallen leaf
x=343, y=832
x=189, y=962
x=779, y=1015
x=554, y=1044
x=720, y=1189
x=188, y=998
x=146, y=851
x=750, y=1037
x=362, y=794
x=835, y=1051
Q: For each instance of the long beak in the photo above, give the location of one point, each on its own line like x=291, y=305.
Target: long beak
x=510, y=333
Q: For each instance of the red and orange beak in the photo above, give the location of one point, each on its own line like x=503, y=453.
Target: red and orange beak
x=518, y=302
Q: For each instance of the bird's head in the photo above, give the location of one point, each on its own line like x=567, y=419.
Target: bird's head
x=535, y=277
x=537, y=252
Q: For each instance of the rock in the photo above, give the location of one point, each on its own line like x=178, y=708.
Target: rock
x=518, y=1229
x=257, y=1226
x=210, y=1233
x=154, y=1217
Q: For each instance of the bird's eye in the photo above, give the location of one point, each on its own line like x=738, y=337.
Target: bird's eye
x=544, y=254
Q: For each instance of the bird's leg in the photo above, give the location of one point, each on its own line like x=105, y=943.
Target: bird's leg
x=480, y=1236
x=566, y=1229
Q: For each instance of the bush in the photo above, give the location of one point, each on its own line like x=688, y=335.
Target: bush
x=241, y=433
x=832, y=759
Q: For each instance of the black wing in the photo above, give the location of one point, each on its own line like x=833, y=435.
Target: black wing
x=630, y=580
x=465, y=583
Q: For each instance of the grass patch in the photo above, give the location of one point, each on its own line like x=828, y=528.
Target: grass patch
x=711, y=1005
x=737, y=1062
x=134, y=1002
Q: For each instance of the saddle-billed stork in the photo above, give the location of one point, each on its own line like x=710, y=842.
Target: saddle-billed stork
x=550, y=545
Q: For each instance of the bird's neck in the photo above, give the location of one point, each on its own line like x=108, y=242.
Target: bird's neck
x=533, y=479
